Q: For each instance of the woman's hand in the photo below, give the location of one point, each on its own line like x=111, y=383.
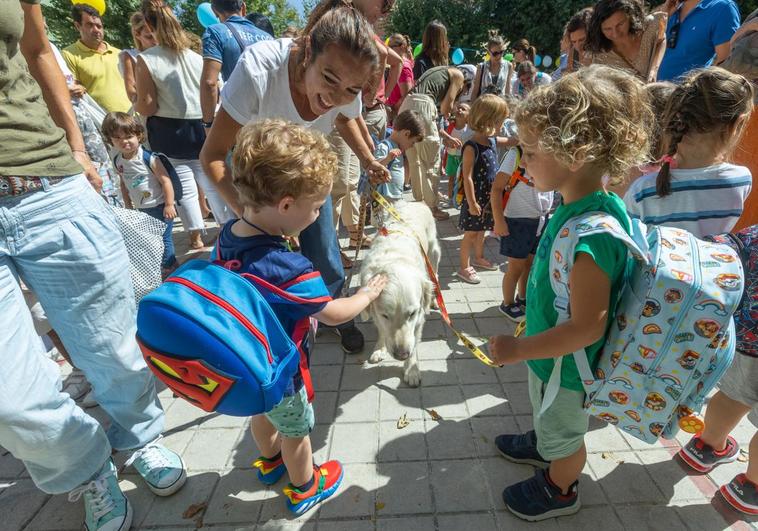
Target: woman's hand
x=377, y=173
x=503, y=350
x=89, y=169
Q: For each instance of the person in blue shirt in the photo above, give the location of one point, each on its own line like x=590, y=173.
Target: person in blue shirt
x=408, y=129
x=697, y=34
x=223, y=44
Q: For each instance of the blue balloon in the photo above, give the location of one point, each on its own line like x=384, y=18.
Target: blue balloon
x=205, y=15
x=537, y=60
x=458, y=56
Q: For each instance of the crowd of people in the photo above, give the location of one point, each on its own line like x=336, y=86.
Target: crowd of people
x=271, y=136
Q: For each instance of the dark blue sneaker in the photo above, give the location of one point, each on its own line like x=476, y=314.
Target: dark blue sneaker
x=512, y=312
x=520, y=448
x=538, y=499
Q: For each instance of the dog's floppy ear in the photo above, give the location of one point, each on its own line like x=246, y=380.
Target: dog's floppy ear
x=428, y=296
x=366, y=313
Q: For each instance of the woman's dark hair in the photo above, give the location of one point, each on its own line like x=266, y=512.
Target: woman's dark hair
x=580, y=20
x=228, y=7
x=261, y=22
x=709, y=100
x=344, y=27
x=527, y=67
x=434, y=43
x=634, y=9
x=522, y=45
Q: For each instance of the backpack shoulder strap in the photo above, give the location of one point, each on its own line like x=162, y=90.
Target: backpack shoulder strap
x=147, y=157
x=236, y=35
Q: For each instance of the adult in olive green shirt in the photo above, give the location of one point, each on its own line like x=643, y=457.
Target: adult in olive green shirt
x=62, y=239
x=94, y=62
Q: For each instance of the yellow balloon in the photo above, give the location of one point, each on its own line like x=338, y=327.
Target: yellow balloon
x=99, y=5
x=387, y=41
x=487, y=56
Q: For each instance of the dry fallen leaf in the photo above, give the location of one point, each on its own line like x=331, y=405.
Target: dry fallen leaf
x=435, y=416
x=379, y=506
x=607, y=455
x=194, y=509
x=743, y=457
x=403, y=421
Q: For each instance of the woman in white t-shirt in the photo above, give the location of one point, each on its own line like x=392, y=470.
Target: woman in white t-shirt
x=168, y=94
x=314, y=81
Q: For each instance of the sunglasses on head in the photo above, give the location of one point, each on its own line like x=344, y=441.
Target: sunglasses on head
x=497, y=54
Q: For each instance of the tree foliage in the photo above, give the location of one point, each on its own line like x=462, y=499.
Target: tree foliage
x=116, y=18
x=539, y=21
x=279, y=12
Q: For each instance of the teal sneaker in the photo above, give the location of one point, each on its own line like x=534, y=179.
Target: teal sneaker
x=162, y=469
x=105, y=506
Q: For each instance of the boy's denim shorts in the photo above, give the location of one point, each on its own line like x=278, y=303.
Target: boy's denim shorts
x=293, y=417
x=560, y=430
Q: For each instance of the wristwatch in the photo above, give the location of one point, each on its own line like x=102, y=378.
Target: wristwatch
x=206, y=124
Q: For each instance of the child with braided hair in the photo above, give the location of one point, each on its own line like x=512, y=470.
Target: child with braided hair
x=697, y=189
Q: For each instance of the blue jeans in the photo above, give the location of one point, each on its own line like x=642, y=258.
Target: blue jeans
x=318, y=243
x=169, y=256
x=63, y=242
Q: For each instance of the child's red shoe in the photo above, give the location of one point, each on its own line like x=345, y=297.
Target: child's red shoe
x=326, y=480
x=269, y=470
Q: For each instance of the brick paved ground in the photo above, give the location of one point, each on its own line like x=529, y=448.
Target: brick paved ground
x=440, y=475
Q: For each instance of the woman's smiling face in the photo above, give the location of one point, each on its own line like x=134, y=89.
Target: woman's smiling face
x=334, y=78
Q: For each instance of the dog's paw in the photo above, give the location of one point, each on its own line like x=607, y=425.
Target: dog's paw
x=376, y=356
x=412, y=375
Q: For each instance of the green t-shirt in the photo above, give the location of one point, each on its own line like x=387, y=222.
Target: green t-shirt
x=30, y=142
x=608, y=253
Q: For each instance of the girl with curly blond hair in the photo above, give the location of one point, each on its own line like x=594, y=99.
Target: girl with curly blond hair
x=585, y=126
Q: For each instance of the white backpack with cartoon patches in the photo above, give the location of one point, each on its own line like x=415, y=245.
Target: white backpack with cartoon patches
x=673, y=335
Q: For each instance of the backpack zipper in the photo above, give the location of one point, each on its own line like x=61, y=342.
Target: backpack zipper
x=696, y=285
x=218, y=301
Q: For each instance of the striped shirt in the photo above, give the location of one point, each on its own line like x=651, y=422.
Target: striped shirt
x=703, y=201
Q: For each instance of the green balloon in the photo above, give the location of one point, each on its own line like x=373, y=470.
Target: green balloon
x=508, y=57
x=417, y=50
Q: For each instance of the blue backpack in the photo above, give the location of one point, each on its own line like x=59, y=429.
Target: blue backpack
x=211, y=336
x=673, y=334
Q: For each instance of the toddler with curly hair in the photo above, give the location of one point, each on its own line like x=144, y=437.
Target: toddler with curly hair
x=589, y=124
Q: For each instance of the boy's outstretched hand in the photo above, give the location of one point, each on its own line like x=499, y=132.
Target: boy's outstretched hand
x=503, y=350
x=374, y=286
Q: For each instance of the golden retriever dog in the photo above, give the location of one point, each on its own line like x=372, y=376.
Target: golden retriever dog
x=400, y=311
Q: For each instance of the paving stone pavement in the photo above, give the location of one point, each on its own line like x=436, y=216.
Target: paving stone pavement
x=433, y=475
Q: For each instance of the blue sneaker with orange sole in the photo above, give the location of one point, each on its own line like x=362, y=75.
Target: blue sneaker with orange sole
x=269, y=470
x=326, y=480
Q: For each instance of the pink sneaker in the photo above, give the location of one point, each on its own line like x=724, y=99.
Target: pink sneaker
x=468, y=275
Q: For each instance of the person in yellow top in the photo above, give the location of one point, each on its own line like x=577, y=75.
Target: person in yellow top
x=94, y=62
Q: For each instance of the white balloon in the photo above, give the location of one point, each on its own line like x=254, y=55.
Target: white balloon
x=547, y=61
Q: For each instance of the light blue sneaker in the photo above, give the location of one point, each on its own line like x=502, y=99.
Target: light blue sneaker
x=105, y=506
x=161, y=468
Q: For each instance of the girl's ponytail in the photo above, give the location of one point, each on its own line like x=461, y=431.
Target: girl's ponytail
x=168, y=30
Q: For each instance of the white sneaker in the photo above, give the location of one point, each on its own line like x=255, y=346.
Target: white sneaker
x=76, y=385
x=162, y=469
x=105, y=506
